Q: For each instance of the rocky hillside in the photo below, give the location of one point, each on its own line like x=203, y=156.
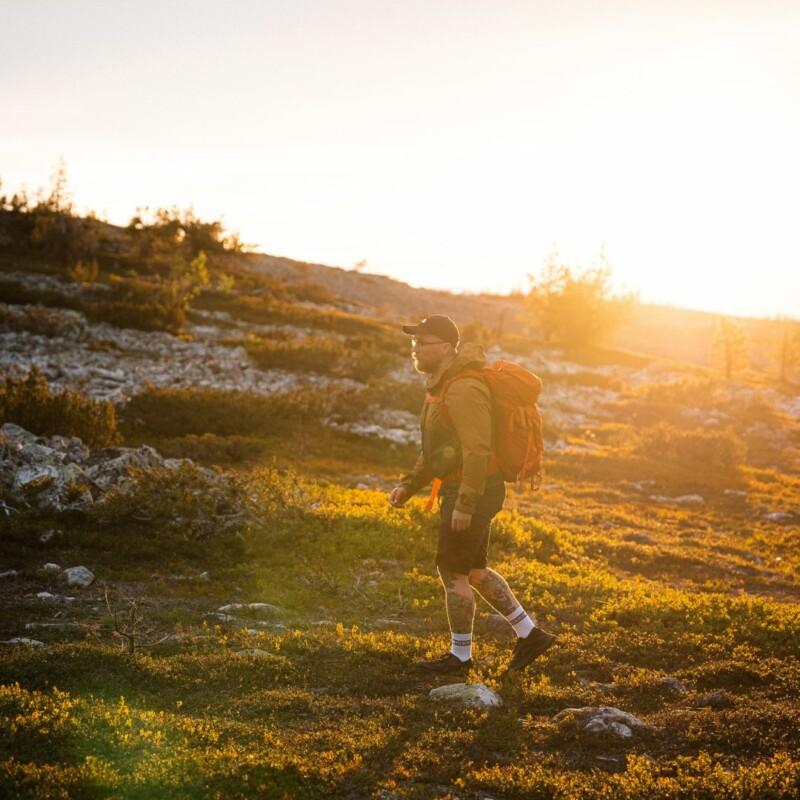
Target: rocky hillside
x=655, y=330
x=216, y=600
x=396, y=299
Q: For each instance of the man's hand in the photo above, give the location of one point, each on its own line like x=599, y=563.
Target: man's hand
x=460, y=521
x=399, y=496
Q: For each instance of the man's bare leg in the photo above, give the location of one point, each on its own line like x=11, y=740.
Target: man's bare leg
x=532, y=641
x=494, y=589
x=460, y=612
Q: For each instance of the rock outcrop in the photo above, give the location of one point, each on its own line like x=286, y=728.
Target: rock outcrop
x=59, y=475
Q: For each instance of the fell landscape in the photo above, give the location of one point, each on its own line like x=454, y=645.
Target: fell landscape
x=205, y=592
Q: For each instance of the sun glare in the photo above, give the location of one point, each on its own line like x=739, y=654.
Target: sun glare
x=668, y=137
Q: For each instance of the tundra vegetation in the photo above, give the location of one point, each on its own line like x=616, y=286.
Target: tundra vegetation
x=275, y=602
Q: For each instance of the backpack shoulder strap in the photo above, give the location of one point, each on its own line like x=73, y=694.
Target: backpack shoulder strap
x=438, y=398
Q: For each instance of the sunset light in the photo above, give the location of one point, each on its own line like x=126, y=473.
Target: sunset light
x=447, y=144
x=400, y=399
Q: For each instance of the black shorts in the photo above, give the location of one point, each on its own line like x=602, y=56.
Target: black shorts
x=461, y=551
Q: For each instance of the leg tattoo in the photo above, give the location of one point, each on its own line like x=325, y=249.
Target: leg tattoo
x=460, y=601
x=494, y=590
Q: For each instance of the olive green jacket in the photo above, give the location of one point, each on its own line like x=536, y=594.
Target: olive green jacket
x=466, y=442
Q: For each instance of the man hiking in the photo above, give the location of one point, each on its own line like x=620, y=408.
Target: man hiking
x=457, y=450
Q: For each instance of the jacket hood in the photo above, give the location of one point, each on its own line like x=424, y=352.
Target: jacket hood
x=469, y=356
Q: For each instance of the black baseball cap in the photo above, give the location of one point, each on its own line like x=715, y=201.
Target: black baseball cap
x=436, y=325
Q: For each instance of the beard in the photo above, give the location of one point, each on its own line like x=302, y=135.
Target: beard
x=421, y=367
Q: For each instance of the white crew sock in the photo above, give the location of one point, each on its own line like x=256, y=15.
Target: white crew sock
x=461, y=646
x=521, y=622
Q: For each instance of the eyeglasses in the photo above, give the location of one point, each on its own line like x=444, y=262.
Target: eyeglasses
x=417, y=343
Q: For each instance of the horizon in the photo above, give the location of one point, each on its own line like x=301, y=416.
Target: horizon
x=451, y=147
x=366, y=271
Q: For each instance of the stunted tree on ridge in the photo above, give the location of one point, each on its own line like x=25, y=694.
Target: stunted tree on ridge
x=50, y=226
x=729, y=346
x=576, y=308
x=787, y=349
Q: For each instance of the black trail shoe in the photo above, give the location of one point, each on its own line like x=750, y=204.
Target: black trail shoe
x=533, y=645
x=446, y=664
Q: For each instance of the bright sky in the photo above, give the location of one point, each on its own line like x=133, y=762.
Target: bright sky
x=450, y=143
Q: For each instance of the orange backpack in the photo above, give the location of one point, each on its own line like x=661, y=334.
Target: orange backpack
x=517, y=425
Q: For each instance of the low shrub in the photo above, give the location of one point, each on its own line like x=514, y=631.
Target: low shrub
x=756, y=409
x=192, y=502
x=180, y=412
x=688, y=392
x=140, y=304
x=84, y=271
x=41, y=320
x=759, y=622
x=721, y=449
x=700, y=776
x=392, y=394
x=270, y=310
x=541, y=541
x=585, y=378
x=668, y=401
x=18, y=294
x=30, y=403
x=185, y=500
x=315, y=354
x=367, y=358
x=274, y=335
x=311, y=292
x=518, y=345
x=359, y=358
x=212, y=449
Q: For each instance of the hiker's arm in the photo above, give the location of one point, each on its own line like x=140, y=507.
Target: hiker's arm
x=469, y=405
x=419, y=476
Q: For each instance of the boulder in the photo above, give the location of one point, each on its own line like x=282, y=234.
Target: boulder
x=720, y=699
x=16, y=436
x=251, y=609
x=59, y=475
x=620, y=729
x=222, y=617
x=778, y=516
x=689, y=500
x=34, y=477
x=203, y=577
x=43, y=474
x=256, y=652
x=472, y=695
x=22, y=640
x=52, y=626
x=112, y=465
x=597, y=720
x=49, y=597
x=673, y=684
x=681, y=500
x=79, y=576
